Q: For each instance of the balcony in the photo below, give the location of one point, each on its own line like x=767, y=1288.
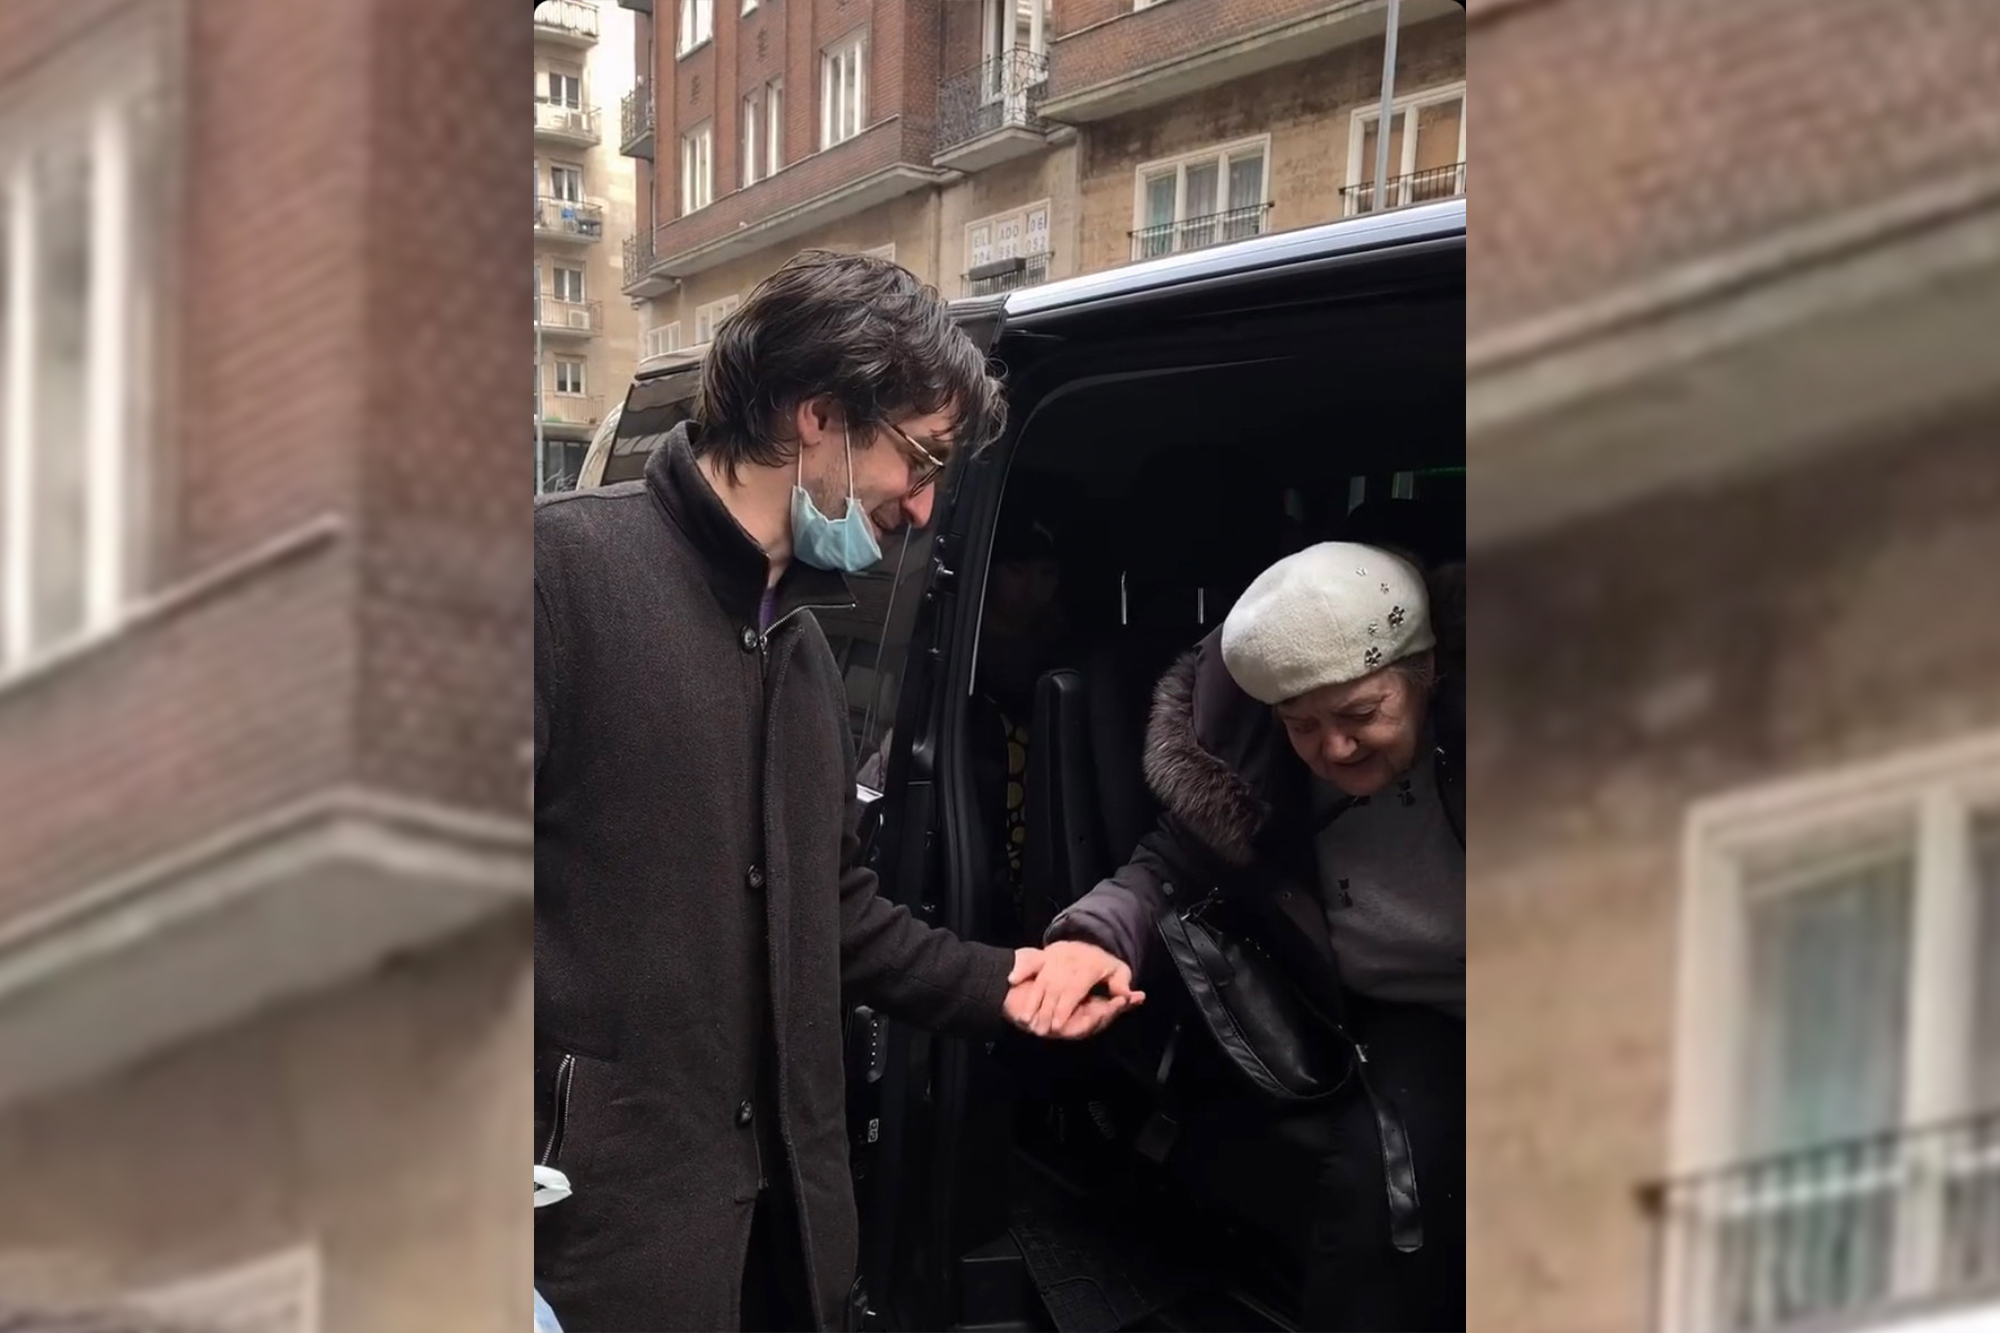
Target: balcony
x=1237, y=224
x=1006, y=275
x=574, y=125
x=1860, y=1233
x=568, y=319
x=1168, y=51
x=1419, y=187
x=991, y=113
x=641, y=282
x=571, y=415
x=569, y=22
x=568, y=220
x=635, y=123
x=889, y=160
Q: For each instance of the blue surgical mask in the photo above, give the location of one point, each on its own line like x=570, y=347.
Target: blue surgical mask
x=847, y=546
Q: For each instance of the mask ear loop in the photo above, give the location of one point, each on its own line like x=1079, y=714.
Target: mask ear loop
x=847, y=443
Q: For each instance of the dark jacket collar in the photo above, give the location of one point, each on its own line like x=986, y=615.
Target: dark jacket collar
x=735, y=566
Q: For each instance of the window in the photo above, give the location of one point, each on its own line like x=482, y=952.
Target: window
x=566, y=183
x=1426, y=151
x=660, y=340
x=1007, y=251
x=569, y=377
x=1201, y=200
x=774, y=126
x=843, y=79
x=747, y=149
x=78, y=186
x=697, y=23
x=562, y=88
x=568, y=284
x=698, y=169
x=275, y=1295
x=1837, y=1117
x=708, y=318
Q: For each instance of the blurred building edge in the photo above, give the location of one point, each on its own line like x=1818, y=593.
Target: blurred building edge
x=264, y=663
x=1735, y=510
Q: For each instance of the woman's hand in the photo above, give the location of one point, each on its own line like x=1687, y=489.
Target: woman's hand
x=1054, y=990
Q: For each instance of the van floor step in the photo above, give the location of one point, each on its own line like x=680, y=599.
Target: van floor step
x=1094, y=1280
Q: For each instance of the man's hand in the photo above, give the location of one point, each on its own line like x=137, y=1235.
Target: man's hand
x=1052, y=990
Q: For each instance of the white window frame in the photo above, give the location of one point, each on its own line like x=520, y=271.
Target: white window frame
x=282, y=1293
x=1361, y=172
x=560, y=170
x=1928, y=800
x=847, y=59
x=1220, y=154
x=710, y=314
x=697, y=26
x=548, y=90
x=774, y=127
x=89, y=101
x=660, y=340
x=582, y=386
x=698, y=168
x=567, y=282
x=748, y=137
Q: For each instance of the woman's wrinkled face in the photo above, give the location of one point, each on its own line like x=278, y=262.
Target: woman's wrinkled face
x=1360, y=736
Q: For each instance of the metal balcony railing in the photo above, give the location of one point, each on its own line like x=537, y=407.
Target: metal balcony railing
x=567, y=18
x=1002, y=93
x=576, y=123
x=559, y=316
x=635, y=122
x=1006, y=275
x=1851, y=1231
x=572, y=409
x=1193, y=233
x=638, y=256
x=1419, y=187
x=576, y=218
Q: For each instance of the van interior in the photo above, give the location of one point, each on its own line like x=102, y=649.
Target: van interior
x=1130, y=1181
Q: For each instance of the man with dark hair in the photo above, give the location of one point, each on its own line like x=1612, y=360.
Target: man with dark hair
x=699, y=901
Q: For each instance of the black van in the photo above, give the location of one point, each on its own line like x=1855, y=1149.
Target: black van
x=1177, y=425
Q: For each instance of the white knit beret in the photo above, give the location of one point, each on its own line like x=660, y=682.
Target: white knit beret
x=1330, y=614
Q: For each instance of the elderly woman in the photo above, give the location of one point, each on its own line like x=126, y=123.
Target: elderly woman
x=1310, y=748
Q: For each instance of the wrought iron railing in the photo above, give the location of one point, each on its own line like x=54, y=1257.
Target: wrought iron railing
x=561, y=316
x=569, y=217
x=571, y=18
x=992, y=279
x=635, y=121
x=1853, y=1230
x=1419, y=187
x=1002, y=93
x=1193, y=233
x=572, y=122
x=638, y=257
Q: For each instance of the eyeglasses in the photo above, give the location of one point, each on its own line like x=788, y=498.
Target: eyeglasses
x=928, y=463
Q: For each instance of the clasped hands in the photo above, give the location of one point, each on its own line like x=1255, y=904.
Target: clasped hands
x=1052, y=991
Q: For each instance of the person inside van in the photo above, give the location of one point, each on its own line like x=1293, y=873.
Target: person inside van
x=1311, y=746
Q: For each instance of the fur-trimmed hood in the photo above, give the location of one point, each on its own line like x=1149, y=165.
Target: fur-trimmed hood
x=1224, y=807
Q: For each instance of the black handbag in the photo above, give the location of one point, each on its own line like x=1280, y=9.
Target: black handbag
x=1289, y=1044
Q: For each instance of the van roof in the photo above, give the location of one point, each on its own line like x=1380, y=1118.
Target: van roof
x=1426, y=222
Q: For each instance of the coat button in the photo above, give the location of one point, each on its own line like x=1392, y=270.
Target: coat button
x=749, y=639
x=744, y=1113
x=755, y=879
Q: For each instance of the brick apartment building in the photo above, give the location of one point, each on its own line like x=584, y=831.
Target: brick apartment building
x=989, y=144
x=1732, y=406
x=264, y=667
x=587, y=334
